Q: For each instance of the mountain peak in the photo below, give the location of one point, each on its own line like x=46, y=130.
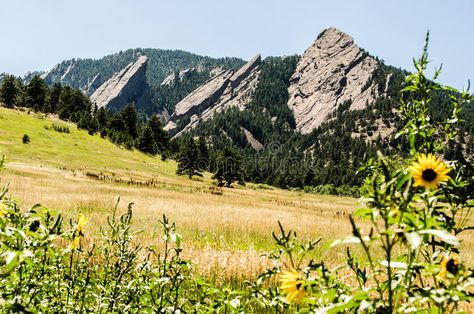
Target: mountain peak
x=125, y=86
x=332, y=71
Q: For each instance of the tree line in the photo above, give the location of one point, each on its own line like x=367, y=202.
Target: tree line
x=122, y=128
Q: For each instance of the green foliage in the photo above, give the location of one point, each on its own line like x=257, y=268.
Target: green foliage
x=25, y=139
x=153, y=139
x=228, y=168
x=36, y=93
x=58, y=128
x=190, y=161
x=129, y=116
x=9, y=91
x=165, y=97
x=38, y=274
x=272, y=91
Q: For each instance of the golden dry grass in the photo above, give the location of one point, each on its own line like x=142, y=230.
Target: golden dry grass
x=225, y=235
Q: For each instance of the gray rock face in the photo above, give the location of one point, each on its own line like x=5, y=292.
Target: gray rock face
x=216, y=71
x=224, y=90
x=128, y=85
x=204, y=95
x=245, y=71
x=332, y=71
x=182, y=75
x=254, y=143
x=93, y=84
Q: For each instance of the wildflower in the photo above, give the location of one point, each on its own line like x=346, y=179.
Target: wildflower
x=81, y=223
x=429, y=171
x=3, y=209
x=74, y=244
x=293, y=286
x=449, y=266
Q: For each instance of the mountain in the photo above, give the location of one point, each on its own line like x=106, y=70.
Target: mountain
x=186, y=89
x=299, y=121
x=89, y=74
x=331, y=72
x=129, y=85
x=226, y=89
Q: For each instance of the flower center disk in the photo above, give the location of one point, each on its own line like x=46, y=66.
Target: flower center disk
x=429, y=175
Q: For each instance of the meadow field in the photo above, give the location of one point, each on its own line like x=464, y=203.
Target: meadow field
x=225, y=232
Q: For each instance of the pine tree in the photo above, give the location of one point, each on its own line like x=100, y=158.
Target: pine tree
x=160, y=136
x=53, y=101
x=204, y=154
x=129, y=116
x=9, y=91
x=36, y=92
x=188, y=162
x=102, y=118
x=64, y=104
x=229, y=168
x=146, y=141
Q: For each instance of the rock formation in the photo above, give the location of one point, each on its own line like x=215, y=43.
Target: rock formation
x=181, y=75
x=331, y=72
x=93, y=84
x=224, y=90
x=128, y=85
x=254, y=143
x=203, y=96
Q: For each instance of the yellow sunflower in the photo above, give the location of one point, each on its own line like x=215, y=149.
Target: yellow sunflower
x=81, y=223
x=293, y=286
x=3, y=209
x=449, y=266
x=75, y=243
x=429, y=171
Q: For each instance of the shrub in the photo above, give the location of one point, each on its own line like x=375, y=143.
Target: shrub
x=25, y=139
x=58, y=128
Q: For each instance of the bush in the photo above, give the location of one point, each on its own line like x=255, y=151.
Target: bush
x=25, y=139
x=58, y=128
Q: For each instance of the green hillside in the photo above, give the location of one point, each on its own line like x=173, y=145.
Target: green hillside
x=74, y=150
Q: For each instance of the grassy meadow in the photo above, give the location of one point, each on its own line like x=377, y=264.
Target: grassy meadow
x=223, y=234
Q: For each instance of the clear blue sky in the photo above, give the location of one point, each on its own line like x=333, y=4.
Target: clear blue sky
x=35, y=34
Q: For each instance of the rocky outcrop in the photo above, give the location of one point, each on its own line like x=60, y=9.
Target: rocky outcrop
x=181, y=75
x=254, y=143
x=331, y=72
x=245, y=71
x=224, y=90
x=128, y=85
x=93, y=84
x=216, y=71
x=203, y=96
